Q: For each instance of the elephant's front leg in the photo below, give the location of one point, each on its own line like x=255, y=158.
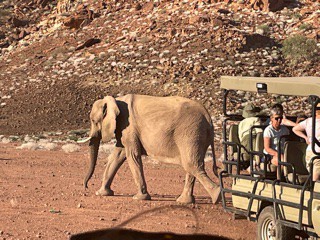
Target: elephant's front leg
x=186, y=196
x=115, y=160
x=136, y=167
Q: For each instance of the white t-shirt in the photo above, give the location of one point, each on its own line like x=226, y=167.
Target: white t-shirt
x=274, y=136
x=307, y=126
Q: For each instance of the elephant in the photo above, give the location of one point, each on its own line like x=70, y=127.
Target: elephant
x=171, y=129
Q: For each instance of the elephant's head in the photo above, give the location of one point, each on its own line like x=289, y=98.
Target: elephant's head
x=103, y=125
x=103, y=119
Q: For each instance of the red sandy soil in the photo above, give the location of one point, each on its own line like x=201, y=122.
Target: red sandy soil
x=42, y=196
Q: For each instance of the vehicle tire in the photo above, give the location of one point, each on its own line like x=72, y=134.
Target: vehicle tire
x=270, y=229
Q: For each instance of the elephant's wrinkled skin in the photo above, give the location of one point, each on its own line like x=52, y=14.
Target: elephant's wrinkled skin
x=170, y=129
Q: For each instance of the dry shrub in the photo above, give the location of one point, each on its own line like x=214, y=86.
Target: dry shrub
x=298, y=47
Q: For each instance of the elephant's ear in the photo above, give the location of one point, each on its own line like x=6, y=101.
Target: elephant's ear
x=110, y=113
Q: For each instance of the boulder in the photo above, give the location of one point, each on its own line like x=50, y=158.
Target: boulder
x=18, y=23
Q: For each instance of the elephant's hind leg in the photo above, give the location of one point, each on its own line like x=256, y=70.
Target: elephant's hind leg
x=212, y=188
x=186, y=196
x=115, y=160
x=195, y=166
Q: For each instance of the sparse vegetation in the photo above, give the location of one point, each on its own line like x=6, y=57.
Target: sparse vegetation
x=264, y=29
x=305, y=26
x=299, y=47
x=73, y=138
x=291, y=14
x=4, y=14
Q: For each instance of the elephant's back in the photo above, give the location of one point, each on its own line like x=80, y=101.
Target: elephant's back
x=167, y=125
x=173, y=105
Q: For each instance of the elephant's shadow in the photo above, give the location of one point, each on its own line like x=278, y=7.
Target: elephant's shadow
x=169, y=198
x=173, y=198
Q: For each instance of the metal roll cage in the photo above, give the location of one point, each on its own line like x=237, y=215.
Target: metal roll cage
x=258, y=177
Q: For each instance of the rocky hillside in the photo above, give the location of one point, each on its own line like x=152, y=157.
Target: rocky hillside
x=58, y=57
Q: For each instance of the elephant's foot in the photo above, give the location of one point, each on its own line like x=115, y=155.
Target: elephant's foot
x=216, y=195
x=104, y=192
x=186, y=199
x=142, y=196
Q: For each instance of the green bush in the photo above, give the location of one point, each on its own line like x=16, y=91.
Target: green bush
x=305, y=26
x=299, y=47
x=292, y=14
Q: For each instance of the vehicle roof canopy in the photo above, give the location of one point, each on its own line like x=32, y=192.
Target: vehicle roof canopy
x=297, y=86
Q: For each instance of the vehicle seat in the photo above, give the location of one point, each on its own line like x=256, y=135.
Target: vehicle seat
x=271, y=170
x=257, y=144
x=233, y=137
x=271, y=167
x=294, y=153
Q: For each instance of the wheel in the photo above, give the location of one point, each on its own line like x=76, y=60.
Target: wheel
x=270, y=229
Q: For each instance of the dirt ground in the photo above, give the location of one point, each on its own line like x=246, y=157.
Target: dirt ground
x=42, y=196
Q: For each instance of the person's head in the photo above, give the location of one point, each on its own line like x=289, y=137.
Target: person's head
x=250, y=110
x=276, y=115
x=277, y=106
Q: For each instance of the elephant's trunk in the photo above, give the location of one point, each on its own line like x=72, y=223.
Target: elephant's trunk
x=94, y=148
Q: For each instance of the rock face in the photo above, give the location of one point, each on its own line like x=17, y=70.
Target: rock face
x=69, y=53
x=268, y=5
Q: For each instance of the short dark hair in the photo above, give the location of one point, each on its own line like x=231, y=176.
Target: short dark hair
x=278, y=105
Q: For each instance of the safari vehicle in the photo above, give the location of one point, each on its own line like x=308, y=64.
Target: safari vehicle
x=285, y=202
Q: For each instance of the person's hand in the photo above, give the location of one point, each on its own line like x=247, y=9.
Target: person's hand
x=307, y=140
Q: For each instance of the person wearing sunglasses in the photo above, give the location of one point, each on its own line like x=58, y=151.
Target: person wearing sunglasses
x=272, y=134
x=304, y=130
x=285, y=121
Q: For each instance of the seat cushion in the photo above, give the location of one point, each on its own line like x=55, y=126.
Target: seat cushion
x=270, y=167
x=300, y=178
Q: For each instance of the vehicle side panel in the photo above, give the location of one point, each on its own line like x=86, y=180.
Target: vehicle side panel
x=265, y=189
x=316, y=208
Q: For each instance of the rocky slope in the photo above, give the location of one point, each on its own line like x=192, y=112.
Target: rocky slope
x=57, y=58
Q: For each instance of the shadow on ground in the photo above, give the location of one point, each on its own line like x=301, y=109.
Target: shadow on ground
x=120, y=234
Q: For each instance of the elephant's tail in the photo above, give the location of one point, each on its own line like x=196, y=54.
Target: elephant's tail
x=214, y=167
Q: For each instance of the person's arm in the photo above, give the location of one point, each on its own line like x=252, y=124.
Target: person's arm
x=299, y=131
x=267, y=148
x=287, y=122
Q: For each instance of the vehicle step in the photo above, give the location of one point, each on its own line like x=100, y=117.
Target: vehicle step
x=236, y=216
x=237, y=213
x=288, y=224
